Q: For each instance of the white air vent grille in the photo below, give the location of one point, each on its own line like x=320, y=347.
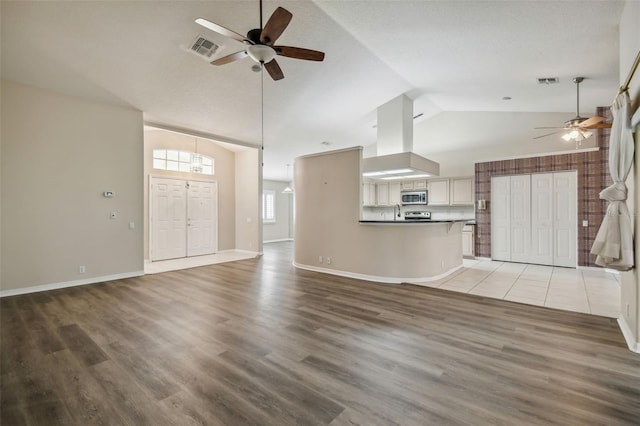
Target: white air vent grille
x=203, y=47
x=548, y=80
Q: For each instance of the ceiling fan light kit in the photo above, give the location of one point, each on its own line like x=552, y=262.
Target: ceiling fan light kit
x=260, y=43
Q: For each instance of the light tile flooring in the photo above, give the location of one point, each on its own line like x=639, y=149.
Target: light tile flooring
x=578, y=290
x=192, y=262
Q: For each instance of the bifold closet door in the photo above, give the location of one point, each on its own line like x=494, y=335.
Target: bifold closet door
x=501, y=218
x=534, y=218
x=565, y=219
x=542, y=218
x=168, y=219
x=520, y=218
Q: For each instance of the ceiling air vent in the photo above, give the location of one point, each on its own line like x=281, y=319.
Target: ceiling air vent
x=203, y=47
x=548, y=80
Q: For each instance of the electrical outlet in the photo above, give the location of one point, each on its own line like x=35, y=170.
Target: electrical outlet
x=319, y=259
x=328, y=261
x=585, y=223
x=82, y=269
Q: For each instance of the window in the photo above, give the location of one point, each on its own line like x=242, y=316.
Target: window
x=182, y=161
x=269, y=206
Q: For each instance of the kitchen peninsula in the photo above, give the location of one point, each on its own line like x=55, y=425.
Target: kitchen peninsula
x=330, y=236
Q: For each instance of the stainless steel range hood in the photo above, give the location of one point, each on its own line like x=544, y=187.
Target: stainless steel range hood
x=395, y=159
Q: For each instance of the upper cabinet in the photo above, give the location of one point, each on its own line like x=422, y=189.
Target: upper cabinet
x=461, y=192
x=451, y=192
x=394, y=193
x=438, y=192
x=382, y=194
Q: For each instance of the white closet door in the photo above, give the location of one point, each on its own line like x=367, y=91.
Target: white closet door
x=565, y=220
x=500, y=218
x=202, y=218
x=542, y=197
x=521, y=218
x=168, y=219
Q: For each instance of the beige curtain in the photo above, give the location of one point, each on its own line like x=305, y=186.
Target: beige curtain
x=614, y=243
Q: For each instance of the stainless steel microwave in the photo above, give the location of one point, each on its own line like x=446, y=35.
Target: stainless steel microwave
x=413, y=197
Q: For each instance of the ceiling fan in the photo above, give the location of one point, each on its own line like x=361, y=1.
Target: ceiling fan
x=260, y=43
x=578, y=128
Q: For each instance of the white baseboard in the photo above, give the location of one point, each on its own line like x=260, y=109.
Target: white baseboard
x=65, y=284
x=376, y=278
x=634, y=346
x=277, y=241
x=598, y=269
x=255, y=253
x=488, y=259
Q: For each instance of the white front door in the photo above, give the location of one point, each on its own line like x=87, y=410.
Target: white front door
x=202, y=217
x=521, y=218
x=168, y=219
x=500, y=218
x=565, y=220
x=183, y=218
x=542, y=218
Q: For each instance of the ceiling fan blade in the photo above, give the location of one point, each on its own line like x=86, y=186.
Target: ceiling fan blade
x=599, y=126
x=591, y=121
x=548, y=134
x=275, y=26
x=299, y=53
x=222, y=30
x=230, y=58
x=274, y=70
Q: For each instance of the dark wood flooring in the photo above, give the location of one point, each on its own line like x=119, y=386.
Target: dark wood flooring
x=258, y=342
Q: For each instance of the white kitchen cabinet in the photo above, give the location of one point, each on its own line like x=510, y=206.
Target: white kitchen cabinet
x=368, y=194
x=461, y=191
x=419, y=184
x=394, y=193
x=407, y=185
x=468, y=248
x=382, y=193
x=438, y=192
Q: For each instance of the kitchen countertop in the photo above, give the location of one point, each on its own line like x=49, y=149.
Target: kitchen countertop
x=425, y=221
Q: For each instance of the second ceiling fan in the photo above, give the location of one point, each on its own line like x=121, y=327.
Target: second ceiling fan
x=260, y=43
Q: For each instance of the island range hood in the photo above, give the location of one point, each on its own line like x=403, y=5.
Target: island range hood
x=395, y=159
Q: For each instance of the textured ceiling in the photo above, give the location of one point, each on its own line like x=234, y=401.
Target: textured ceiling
x=451, y=57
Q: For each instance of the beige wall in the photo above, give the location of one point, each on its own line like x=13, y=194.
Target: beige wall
x=224, y=174
x=59, y=153
x=281, y=229
x=629, y=47
x=327, y=211
x=248, y=200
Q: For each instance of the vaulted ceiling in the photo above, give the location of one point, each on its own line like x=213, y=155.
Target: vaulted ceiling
x=456, y=59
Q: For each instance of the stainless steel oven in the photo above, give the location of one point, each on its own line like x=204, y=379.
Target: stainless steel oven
x=413, y=197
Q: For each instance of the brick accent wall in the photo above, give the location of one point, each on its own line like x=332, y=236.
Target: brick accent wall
x=593, y=176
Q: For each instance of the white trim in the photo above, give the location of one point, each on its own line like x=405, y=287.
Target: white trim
x=544, y=154
x=277, y=241
x=628, y=336
x=255, y=253
x=239, y=145
x=65, y=284
x=376, y=278
x=486, y=259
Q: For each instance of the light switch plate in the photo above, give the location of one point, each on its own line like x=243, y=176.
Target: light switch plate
x=585, y=223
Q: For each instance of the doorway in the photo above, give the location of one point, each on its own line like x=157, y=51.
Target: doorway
x=183, y=218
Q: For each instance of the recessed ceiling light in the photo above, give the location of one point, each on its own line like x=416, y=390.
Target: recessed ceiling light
x=506, y=98
x=325, y=143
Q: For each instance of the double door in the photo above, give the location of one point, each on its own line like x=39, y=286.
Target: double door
x=183, y=218
x=534, y=219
